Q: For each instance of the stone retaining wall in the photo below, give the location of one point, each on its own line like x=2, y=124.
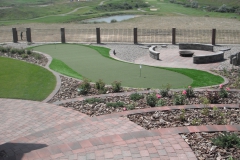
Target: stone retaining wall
x=196, y=46
x=154, y=54
x=216, y=57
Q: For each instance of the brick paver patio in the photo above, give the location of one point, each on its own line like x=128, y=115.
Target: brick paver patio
x=34, y=130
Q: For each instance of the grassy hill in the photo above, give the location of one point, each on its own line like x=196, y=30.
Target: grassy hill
x=215, y=3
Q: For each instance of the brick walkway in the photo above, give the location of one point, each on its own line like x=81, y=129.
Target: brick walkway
x=37, y=131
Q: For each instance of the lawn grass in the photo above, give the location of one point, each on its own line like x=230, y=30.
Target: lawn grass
x=21, y=80
x=62, y=68
x=87, y=61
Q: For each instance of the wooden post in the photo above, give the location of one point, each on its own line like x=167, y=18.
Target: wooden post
x=63, y=40
x=135, y=36
x=173, y=35
x=213, y=36
x=28, y=35
x=98, y=35
x=15, y=36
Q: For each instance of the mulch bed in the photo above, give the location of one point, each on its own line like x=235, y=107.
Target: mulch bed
x=203, y=147
x=186, y=117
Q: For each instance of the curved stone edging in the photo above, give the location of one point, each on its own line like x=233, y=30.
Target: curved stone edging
x=57, y=75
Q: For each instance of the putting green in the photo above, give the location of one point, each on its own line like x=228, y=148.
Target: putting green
x=92, y=65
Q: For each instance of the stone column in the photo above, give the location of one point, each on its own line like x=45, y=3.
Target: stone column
x=63, y=40
x=28, y=35
x=98, y=35
x=173, y=35
x=15, y=35
x=135, y=36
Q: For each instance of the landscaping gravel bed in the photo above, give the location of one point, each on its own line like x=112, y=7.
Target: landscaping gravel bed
x=69, y=90
x=34, y=58
x=99, y=106
x=186, y=117
x=204, y=149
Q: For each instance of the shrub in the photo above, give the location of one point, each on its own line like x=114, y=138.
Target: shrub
x=3, y=49
x=165, y=89
x=116, y=86
x=24, y=56
x=190, y=92
x=179, y=99
x=100, y=86
x=8, y=49
x=223, y=92
x=194, y=4
x=113, y=21
x=130, y=107
x=136, y=96
x=182, y=115
x=93, y=100
x=84, y=87
x=227, y=140
x=20, y=51
x=13, y=51
x=213, y=97
x=115, y=104
x=161, y=102
x=37, y=56
x=152, y=100
x=29, y=52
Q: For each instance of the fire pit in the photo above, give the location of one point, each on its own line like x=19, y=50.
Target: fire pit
x=186, y=53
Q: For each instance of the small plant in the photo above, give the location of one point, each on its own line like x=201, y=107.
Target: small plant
x=227, y=140
x=84, y=87
x=223, y=92
x=93, y=100
x=116, y=86
x=136, y=96
x=29, y=52
x=161, y=102
x=182, y=115
x=179, y=99
x=113, y=21
x=13, y=51
x=165, y=89
x=115, y=104
x=100, y=86
x=3, y=49
x=20, y=51
x=130, y=107
x=37, y=56
x=204, y=101
x=196, y=121
x=8, y=49
x=24, y=56
x=213, y=97
x=205, y=111
x=152, y=100
x=189, y=92
x=221, y=120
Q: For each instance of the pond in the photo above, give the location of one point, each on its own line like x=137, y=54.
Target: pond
x=108, y=19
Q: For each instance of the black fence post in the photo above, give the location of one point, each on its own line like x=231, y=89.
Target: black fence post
x=213, y=36
x=135, y=35
x=63, y=40
x=173, y=35
x=98, y=35
x=15, y=35
x=28, y=35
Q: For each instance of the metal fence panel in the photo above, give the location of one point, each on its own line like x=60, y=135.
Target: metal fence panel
x=228, y=36
x=46, y=35
x=193, y=36
x=154, y=35
x=6, y=35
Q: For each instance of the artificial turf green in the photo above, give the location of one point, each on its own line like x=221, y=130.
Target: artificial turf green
x=21, y=80
x=61, y=67
x=92, y=65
